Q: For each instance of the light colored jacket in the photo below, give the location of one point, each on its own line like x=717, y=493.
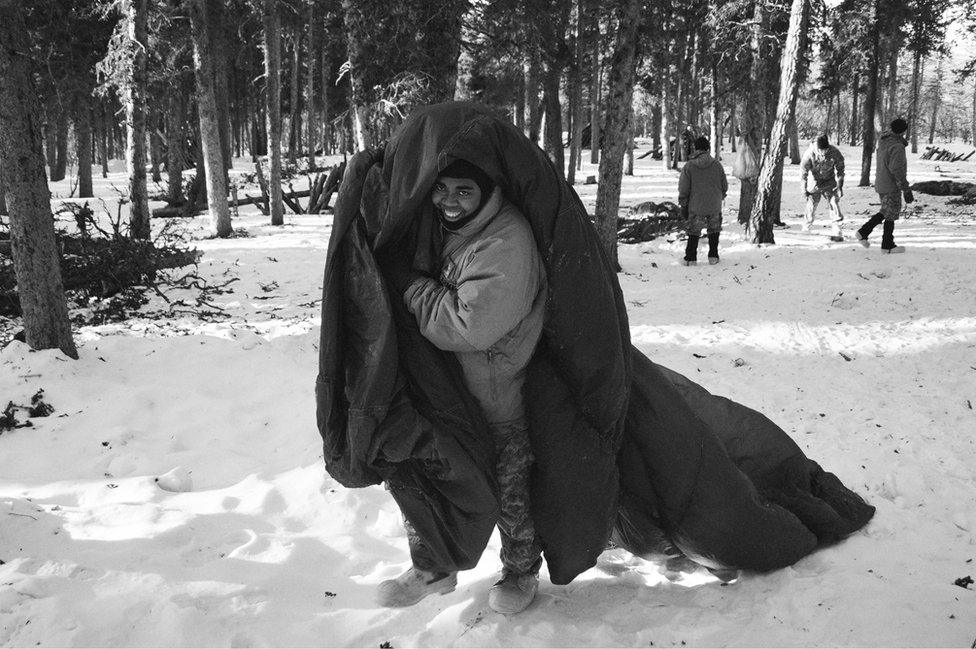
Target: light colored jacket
x=891, y=166
x=821, y=168
x=702, y=185
x=487, y=306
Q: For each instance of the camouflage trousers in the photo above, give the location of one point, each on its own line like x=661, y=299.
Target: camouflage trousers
x=711, y=223
x=833, y=204
x=891, y=205
x=521, y=552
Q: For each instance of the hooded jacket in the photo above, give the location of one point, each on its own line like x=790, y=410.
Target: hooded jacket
x=821, y=168
x=891, y=165
x=487, y=305
x=620, y=443
x=702, y=185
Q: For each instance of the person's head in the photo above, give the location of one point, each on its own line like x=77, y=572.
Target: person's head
x=899, y=126
x=702, y=144
x=459, y=193
x=823, y=142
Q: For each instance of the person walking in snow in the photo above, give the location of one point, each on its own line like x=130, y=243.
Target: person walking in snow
x=701, y=189
x=891, y=183
x=822, y=176
x=487, y=307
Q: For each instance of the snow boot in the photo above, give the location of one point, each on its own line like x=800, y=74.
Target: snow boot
x=691, y=251
x=713, y=248
x=888, y=238
x=414, y=585
x=865, y=230
x=513, y=592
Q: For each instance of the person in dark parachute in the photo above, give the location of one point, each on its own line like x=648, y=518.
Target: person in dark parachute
x=619, y=450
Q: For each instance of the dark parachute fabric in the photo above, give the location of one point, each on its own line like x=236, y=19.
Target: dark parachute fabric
x=623, y=447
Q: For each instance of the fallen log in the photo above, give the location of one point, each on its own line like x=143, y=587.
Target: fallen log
x=172, y=210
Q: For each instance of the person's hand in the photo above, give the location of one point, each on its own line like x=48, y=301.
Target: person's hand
x=840, y=191
x=909, y=196
x=807, y=194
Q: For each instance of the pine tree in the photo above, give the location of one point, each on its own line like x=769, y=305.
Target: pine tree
x=35, y=255
x=771, y=170
x=619, y=114
x=213, y=159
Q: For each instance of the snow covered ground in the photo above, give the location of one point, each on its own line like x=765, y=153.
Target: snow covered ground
x=176, y=496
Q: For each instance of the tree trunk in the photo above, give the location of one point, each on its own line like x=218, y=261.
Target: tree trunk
x=855, y=91
x=36, y=264
x=916, y=86
x=135, y=120
x=870, y=98
x=895, y=48
x=220, y=48
x=771, y=170
x=103, y=139
x=294, y=126
x=665, y=121
x=629, y=151
x=656, y=126
x=681, y=121
x=272, y=100
x=793, y=136
x=533, y=116
x=213, y=162
x=554, y=122
x=3, y=190
x=750, y=114
x=60, y=147
x=155, y=144
x=829, y=117
x=83, y=142
x=714, y=114
x=936, y=99
x=840, y=116
x=733, y=126
x=619, y=115
x=575, y=88
x=326, y=88
x=175, y=138
x=49, y=136
x=595, y=87
x=310, y=104
x=972, y=121
x=555, y=56
x=359, y=96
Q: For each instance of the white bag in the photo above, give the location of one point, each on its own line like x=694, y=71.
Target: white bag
x=745, y=164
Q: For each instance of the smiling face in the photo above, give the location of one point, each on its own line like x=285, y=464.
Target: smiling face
x=456, y=198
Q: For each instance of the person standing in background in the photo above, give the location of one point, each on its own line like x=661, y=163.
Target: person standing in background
x=822, y=175
x=891, y=183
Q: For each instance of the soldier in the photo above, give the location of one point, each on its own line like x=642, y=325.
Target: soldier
x=891, y=183
x=487, y=307
x=701, y=189
x=823, y=176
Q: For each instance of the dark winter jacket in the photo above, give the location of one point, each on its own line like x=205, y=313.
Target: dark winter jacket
x=487, y=306
x=702, y=185
x=891, y=166
x=618, y=441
